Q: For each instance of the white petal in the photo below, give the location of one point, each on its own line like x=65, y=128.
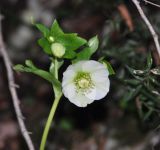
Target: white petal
x=99, y=75
x=91, y=94
x=68, y=76
x=80, y=100
x=69, y=90
x=92, y=66
x=78, y=66
x=102, y=89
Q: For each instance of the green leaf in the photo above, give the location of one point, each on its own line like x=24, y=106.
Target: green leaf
x=87, y=52
x=148, y=114
x=42, y=73
x=45, y=31
x=132, y=82
x=56, y=30
x=109, y=67
x=93, y=44
x=135, y=73
x=69, y=54
x=44, y=43
x=134, y=92
x=156, y=71
x=30, y=64
x=70, y=41
x=83, y=55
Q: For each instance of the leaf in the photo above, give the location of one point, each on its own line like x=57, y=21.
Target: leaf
x=156, y=71
x=45, y=31
x=148, y=114
x=42, y=73
x=70, y=41
x=44, y=43
x=93, y=44
x=133, y=82
x=69, y=54
x=83, y=55
x=109, y=67
x=134, y=72
x=87, y=52
x=56, y=30
x=134, y=92
x=30, y=64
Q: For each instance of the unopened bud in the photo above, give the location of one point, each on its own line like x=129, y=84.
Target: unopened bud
x=51, y=38
x=58, y=49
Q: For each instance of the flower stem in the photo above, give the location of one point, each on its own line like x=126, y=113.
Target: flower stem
x=56, y=68
x=49, y=121
x=58, y=95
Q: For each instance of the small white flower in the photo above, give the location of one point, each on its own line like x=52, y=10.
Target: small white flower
x=84, y=82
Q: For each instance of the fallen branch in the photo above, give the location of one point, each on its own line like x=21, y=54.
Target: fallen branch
x=150, y=27
x=12, y=87
x=151, y=3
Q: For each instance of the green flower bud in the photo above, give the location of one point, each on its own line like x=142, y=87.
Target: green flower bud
x=51, y=38
x=58, y=50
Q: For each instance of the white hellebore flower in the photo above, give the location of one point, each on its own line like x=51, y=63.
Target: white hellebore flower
x=84, y=82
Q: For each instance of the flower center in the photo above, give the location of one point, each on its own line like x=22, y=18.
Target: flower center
x=83, y=82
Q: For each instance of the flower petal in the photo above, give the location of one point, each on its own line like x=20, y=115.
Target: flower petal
x=91, y=94
x=80, y=100
x=102, y=89
x=69, y=90
x=68, y=76
x=78, y=66
x=99, y=75
x=92, y=66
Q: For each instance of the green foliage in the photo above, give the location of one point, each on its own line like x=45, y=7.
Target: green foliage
x=87, y=52
x=31, y=68
x=108, y=66
x=44, y=43
x=70, y=41
x=138, y=89
x=43, y=29
x=144, y=86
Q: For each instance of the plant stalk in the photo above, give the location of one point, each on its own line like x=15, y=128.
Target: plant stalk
x=58, y=95
x=49, y=121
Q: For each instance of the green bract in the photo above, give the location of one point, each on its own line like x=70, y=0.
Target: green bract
x=70, y=41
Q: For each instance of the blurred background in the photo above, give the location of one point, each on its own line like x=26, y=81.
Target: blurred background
x=127, y=119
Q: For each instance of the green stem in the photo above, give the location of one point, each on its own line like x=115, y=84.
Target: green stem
x=56, y=68
x=49, y=121
x=58, y=95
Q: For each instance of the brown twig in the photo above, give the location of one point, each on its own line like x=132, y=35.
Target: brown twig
x=12, y=88
x=126, y=16
x=149, y=25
